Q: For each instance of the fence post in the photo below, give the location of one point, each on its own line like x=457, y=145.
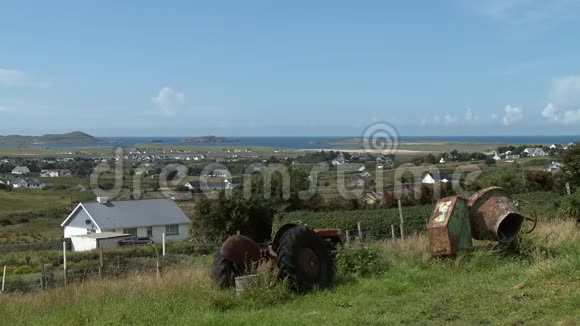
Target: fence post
x=347, y=236
x=157, y=263
x=393, y=232
x=163, y=244
x=64, y=261
x=3, y=278
x=402, y=220
x=359, y=228
x=101, y=263
x=568, y=188
x=42, y=279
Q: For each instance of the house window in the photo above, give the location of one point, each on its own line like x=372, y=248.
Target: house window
x=172, y=229
x=149, y=231
x=131, y=231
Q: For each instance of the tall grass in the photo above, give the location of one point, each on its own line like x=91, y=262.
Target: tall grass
x=540, y=285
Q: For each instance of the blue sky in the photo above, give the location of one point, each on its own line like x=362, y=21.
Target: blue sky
x=250, y=68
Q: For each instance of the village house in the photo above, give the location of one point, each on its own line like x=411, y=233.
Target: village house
x=432, y=178
x=553, y=166
x=27, y=183
x=207, y=186
x=338, y=160
x=19, y=170
x=150, y=218
x=54, y=173
x=220, y=173
x=535, y=152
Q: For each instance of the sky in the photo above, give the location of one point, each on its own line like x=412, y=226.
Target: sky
x=290, y=68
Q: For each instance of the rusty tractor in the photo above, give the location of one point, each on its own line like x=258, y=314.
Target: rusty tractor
x=302, y=256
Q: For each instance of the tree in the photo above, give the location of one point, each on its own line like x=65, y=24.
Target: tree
x=489, y=161
x=571, y=168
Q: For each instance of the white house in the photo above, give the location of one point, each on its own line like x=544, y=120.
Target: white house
x=338, y=160
x=535, y=152
x=27, y=183
x=553, y=166
x=21, y=170
x=441, y=161
x=431, y=178
x=496, y=157
x=143, y=218
x=220, y=173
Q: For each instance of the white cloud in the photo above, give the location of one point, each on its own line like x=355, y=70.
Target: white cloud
x=572, y=116
x=551, y=112
x=564, y=100
x=449, y=119
x=436, y=119
x=169, y=101
x=470, y=115
x=494, y=116
x=512, y=114
x=18, y=78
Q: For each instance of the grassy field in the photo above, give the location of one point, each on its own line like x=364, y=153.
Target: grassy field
x=539, y=287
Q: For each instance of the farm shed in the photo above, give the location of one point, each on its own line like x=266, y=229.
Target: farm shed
x=86, y=242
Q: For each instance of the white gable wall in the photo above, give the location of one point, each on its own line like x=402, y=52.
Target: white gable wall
x=77, y=225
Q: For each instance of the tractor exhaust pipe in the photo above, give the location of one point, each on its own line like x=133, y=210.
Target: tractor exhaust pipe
x=493, y=215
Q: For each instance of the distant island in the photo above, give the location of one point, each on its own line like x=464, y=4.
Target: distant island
x=75, y=137
x=210, y=139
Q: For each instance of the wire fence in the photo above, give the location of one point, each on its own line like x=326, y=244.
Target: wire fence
x=40, y=274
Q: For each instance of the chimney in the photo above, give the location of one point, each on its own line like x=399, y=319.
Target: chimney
x=102, y=200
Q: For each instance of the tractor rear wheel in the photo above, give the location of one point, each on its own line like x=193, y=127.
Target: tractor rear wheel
x=223, y=271
x=304, y=260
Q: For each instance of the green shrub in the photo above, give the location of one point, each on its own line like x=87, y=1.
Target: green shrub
x=360, y=261
x=23, y=269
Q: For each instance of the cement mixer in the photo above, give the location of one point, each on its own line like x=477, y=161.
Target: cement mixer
x=489, y=214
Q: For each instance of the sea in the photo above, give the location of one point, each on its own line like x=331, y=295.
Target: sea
x=310, y=142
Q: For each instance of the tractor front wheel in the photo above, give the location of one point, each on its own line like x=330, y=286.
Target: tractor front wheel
x=304, y=260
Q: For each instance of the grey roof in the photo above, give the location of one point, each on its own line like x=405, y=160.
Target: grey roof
x=134, y=213
x=102, y=235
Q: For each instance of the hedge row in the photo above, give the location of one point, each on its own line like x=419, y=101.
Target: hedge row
x=375, y=223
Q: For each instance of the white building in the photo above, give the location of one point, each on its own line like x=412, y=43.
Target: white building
x=21, y=170
x=142, y=218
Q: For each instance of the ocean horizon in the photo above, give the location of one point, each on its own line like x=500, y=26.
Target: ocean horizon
x=314, y=142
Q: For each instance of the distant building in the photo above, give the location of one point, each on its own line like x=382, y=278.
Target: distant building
x=535, y=152
x=19, y=170
x=220, y=173
x=27, y=183
x=149, y=218
x=338, y=160
x=553, y=166
x=432, y=178
x=54, y=173
x=496, y=157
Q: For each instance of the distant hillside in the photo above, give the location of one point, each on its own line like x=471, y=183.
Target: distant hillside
x=209, y=139
x=75, y=137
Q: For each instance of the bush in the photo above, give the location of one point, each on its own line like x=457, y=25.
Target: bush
x=360, y=261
